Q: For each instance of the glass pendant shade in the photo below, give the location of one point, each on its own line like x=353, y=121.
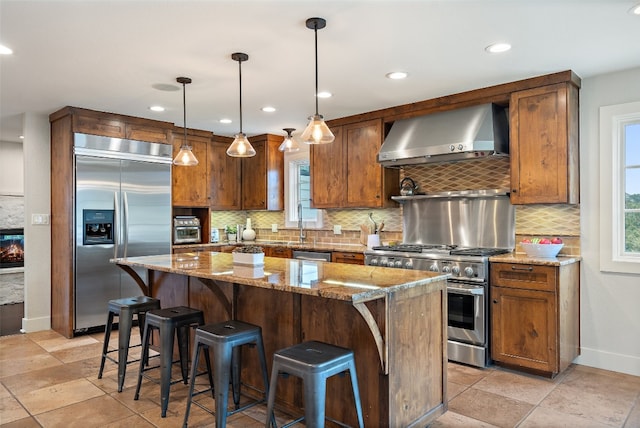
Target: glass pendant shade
x=241, y=147
x=289, y=145
x=185, y=157
x=317, y=132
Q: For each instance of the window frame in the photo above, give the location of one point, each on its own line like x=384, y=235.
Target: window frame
x=291, y=194
x=613, y=119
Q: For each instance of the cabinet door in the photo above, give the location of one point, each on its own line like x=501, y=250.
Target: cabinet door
x=328, y=172
x=364, y=174
x=190, y=182
x=224, y=178
x=254, y=178
x=140, y=132
x=544, y=145
x=524, y=328
x=349, y=258
x=99, y=125
x=282, y=252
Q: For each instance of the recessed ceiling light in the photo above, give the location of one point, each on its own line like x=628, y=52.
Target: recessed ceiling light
x=21, y=137
x=324, y=94
x=396, y=75
x=268, y=109
x=498, y=47
x=156, y=108
x=165, y=87
x=5, y=50
x=225, y=121
x=635, y=10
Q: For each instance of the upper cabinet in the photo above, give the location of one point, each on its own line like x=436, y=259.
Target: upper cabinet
x=544, y=145
x=190, y=182
x=225, y=187
x=117, y=126
x=345, y=173
x=263, y=175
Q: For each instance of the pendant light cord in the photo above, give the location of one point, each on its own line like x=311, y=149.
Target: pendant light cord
x=184, y=111
x=240, y=74
x=315, y=30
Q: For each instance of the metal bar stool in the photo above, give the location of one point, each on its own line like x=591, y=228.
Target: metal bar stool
x=225, y=340
x=170, y=322
x=314, y=362
x=125, y=309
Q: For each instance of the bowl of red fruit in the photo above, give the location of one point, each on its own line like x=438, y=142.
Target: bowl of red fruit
x=542, y=247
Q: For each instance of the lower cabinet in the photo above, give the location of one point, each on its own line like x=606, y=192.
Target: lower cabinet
x=347, y=257
x=282, y=252
x=535, y=322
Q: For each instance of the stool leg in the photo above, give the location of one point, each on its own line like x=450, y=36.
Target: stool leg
x=145, y=355
x=236, y=357
x=265, y=373
x=271, y=420
x=124, y=337
x=142, y=316
x=105, y=345
x=222, y=362
x=209, y=372
x=356, y=393
x=314, y=400
x=183, y=350
x=194, y=370
x=166, y=358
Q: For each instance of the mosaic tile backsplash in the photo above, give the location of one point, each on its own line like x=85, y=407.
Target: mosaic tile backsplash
x=490, y=173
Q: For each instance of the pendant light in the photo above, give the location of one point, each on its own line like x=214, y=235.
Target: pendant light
x=317, y=132
x=289, y=145
x=241, y=147
x=185, y=156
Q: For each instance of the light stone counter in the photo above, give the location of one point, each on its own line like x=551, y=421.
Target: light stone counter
x=522, y=258
x=308, y=246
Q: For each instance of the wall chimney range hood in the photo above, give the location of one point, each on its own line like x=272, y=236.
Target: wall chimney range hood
x=460, y=134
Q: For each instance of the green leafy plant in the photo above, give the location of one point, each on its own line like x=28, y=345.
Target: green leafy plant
x=230, y=229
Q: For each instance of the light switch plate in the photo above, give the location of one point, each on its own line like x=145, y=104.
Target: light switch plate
x=274, y=227
x=39, y=218
x=337, y=229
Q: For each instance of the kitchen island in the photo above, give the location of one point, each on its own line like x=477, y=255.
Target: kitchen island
x=394, y=321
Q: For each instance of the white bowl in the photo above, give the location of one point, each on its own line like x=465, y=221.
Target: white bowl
x=541, y=250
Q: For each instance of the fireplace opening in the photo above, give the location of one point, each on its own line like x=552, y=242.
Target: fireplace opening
x=11, y=248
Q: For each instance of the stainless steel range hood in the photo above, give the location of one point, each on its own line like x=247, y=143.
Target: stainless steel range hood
x=467, y=133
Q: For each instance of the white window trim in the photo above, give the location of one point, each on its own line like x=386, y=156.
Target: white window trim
x=290, y=195
x=612, y=185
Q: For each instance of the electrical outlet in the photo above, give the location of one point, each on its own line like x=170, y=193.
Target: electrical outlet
x=274, y=227
x=39, y=218
x=337, y=229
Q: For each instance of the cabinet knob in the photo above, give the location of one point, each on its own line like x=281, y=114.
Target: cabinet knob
x=514, y=191
x=495, y=301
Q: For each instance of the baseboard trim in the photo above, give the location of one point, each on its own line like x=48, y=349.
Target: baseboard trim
x=628, y=364
x=30, y=325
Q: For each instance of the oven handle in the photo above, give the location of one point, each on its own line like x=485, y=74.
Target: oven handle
x=469, y=291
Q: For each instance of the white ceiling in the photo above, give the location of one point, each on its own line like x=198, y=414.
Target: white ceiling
x=108, y=55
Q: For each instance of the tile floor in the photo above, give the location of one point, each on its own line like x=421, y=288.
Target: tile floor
x=49, y=381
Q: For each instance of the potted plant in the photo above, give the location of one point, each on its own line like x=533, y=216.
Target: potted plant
x=231, y=233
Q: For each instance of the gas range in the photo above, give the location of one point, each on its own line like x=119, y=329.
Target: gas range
x=463, y=263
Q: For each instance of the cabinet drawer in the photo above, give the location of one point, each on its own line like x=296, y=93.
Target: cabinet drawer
x=350, y=258
x=282, y=252
x=525, y=276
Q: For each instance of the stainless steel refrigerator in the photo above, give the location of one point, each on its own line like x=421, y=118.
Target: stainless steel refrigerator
x=122, y=209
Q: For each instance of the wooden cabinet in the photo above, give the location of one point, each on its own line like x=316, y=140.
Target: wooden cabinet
x=544, y=145
x=345, y=173
x=282, y=252
x=535, y=316
x=224, y=176
x=347, y=257
x=263, y=175
x=117, y=126
x=190, y=183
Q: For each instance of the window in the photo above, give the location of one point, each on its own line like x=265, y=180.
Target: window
x=298, y=191
x=620, y=188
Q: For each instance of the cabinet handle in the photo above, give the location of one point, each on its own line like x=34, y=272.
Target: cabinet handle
x=495, y=301
x=514, y=191
x=525, y=269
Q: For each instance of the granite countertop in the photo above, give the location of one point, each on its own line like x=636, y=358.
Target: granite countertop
x=338, y=281
x=310, y=246
x=522, y=258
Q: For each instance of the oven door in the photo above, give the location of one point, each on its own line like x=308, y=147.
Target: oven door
x=186, y=234
x=467, y=312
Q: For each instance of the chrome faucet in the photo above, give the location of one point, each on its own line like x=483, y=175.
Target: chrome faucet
x=300, y=226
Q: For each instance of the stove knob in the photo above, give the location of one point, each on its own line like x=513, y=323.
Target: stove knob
x=408, y=264
x=373, y=262
x=468, y=271
x=455, y=270
x=390, y=263
x=446, y=269
x=398, y=263
x=460, y=147
x=452, y=147
x=433, y=268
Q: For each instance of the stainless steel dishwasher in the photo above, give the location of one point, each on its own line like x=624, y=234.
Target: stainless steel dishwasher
x=317, y=256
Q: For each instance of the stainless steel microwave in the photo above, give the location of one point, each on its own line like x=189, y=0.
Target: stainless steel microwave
x=187, y=230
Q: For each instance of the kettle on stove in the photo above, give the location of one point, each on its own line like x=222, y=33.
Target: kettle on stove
x=408, y=187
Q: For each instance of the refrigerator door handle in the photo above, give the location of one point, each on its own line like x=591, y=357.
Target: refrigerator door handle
x=116, y=223
x=125, y=224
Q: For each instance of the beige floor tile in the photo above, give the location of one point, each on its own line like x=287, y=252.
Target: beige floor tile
x=28, y=363
x=95, y=412
x=454, y=420
x=601, y=407
x=11, y=410
x=14, y=347
x=43, y=335
x=77, y=353
x=134, y=421
x=29, y=422
x=465, y=375
x=604, y=382
x=545, y=418
x=23, y=383
x=522, y=387
x=4, y=392
x=633, y=421
x=453, y=389
x=60, y=343
x=59, y=395
x=491, y=408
